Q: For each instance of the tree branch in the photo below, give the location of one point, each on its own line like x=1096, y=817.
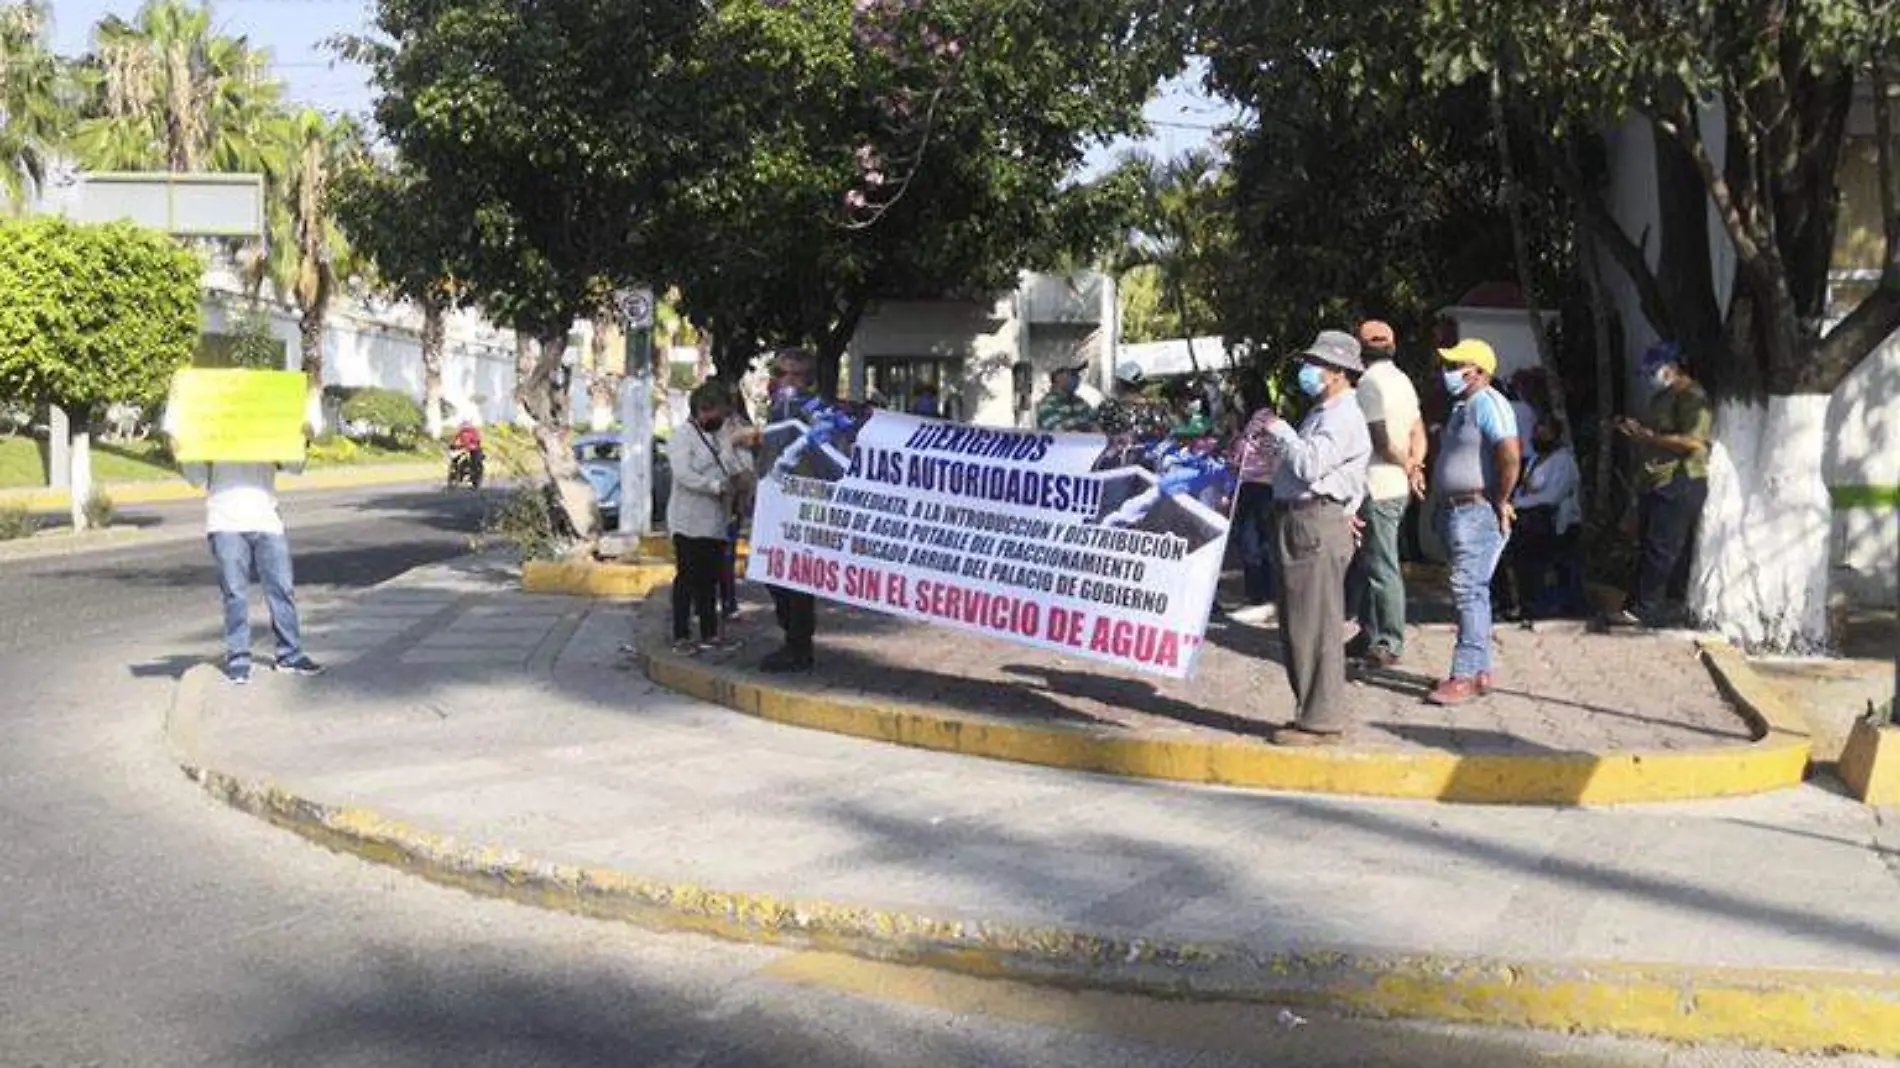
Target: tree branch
x=1682, y=127
x=1629, y=253
x=1877, y=316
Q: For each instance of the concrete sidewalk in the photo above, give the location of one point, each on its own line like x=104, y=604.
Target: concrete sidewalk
x=503, y=742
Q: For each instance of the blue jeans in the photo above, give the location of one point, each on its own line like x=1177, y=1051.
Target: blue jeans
x=268, y=555
x=1475, y=543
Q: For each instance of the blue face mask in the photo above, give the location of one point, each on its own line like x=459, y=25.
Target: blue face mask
x=1455, y=383
x=1312, y=380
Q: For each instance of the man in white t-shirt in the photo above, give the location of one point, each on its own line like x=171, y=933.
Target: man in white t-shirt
x=247, y=537
x=1376, y=586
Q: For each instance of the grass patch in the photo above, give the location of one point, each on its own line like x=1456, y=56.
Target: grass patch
x=144, y=461
x=137, y=461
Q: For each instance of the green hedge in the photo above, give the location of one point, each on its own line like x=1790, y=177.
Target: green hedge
x=90, y=315
x=385, y=417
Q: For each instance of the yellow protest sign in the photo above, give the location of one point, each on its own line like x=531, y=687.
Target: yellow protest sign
x=236, y=416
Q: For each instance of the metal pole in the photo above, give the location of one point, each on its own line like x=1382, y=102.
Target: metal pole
x=636, y=416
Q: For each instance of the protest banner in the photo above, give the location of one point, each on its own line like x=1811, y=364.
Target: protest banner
x=1056, y=541
x=234, y=416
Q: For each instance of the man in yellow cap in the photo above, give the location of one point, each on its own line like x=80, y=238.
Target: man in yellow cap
x=1475, y=475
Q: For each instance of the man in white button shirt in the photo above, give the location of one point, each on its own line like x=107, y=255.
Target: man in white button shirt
x=247, y=537
x=1375, y=593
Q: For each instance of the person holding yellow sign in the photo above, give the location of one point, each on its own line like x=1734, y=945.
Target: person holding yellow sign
x=231, y=432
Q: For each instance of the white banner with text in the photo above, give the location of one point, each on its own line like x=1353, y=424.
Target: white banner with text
x=1071, y=543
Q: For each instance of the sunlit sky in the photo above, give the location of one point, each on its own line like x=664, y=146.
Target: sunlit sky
x=293, y=31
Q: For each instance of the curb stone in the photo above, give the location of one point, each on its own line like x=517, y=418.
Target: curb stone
x=1777, y=759
x=1794, y=1010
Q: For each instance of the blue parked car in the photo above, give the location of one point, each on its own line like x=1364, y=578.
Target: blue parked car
x=599, y=457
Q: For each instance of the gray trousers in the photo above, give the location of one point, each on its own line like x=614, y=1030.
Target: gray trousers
x=1313, y=547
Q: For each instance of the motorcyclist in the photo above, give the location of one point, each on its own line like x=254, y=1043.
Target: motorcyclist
x=465, y=455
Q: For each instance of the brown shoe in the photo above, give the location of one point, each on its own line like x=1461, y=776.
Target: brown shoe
x=1299, y=738
x=1486, y=684
x=1455, y=692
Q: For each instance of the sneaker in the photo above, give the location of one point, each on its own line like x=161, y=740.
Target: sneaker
x=298, y=665
x=238, y=672
x=721, y=644
x=730, y=611
x=685, y=646
x=1455, y=692
x=1626, y=618
x=1255, y=614
x=1378, y=658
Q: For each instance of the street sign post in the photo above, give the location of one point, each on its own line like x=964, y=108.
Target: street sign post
x=635, y=307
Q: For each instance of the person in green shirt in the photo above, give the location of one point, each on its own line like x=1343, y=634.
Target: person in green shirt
x=1061, y=411
x=1673, y=444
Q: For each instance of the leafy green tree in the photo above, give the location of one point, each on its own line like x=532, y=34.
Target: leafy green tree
x=1144, y=306
x=548, y=137
x=91, y=315
x=386, y=210
x=1748, y=105
x=900, y=150
x=1358, y=188
x=33, y=103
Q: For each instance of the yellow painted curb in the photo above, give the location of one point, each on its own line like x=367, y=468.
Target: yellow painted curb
x=1777, y=760
x=588, y=579
x=600, y=579
x=1807, y=1011
x=164, y=491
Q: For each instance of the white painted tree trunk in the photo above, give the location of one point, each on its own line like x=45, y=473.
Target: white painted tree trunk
x=1761, y=564
x=81, y=473
x=433, y=331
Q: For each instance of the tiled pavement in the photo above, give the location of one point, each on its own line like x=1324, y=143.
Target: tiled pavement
x=1560, y=688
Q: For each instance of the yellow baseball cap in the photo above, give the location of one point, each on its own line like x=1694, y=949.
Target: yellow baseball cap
x=1471, y=352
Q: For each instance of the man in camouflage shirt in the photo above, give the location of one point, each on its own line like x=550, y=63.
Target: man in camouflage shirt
x=1061, y=411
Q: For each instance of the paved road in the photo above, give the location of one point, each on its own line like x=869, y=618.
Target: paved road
x=144, y=925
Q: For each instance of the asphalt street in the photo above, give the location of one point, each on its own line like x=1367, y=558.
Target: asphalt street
x=145, y=925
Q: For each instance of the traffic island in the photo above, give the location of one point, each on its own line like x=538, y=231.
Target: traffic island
x=1577, y=718
x=430, y=754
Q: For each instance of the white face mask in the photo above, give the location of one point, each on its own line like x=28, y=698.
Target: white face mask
x=1659, y=378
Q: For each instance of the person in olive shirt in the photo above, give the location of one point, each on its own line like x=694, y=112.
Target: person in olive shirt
x=1061, y=411
x=1674, y=481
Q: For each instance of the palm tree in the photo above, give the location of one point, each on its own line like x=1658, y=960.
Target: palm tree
x=33, y=103
x=165, y=91
x=1170, y=238
x=306, y=259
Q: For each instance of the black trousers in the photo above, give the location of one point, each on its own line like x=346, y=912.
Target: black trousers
x=1537, y=550
x=797, y=617
x=696, y=586
x=1668, y=515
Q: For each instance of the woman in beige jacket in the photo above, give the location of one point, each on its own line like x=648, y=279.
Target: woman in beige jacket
x=706, y=480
